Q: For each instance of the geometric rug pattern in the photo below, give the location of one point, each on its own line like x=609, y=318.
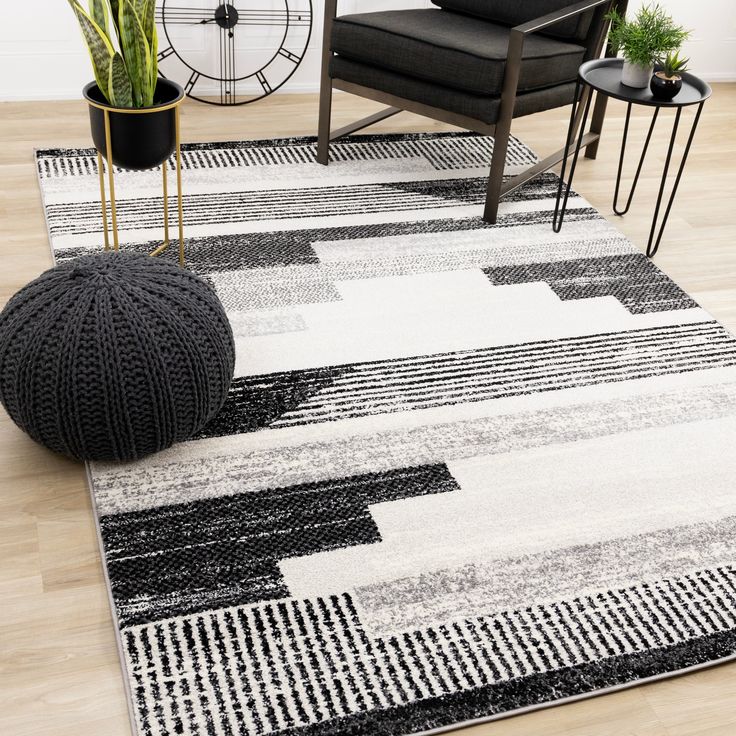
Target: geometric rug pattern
x=463, y=470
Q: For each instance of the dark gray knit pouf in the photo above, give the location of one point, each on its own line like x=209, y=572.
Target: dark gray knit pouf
x=114, y=356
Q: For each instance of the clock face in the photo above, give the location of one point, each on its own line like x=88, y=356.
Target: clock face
x=234, y=52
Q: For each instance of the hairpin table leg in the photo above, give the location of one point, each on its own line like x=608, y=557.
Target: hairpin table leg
x=581, y=98
x=653, y=245
x=641, y=160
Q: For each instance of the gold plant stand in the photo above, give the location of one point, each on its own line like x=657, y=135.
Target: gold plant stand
x=111, y=179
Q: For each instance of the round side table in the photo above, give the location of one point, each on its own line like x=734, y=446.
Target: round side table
x=604, y=76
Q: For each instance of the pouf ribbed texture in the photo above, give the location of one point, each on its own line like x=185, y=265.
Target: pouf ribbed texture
x=114, y=356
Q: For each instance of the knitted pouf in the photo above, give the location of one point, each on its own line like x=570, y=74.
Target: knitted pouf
x=114, y=356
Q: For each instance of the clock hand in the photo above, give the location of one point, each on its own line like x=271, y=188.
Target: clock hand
x=227, y=67
x=274, y=17
x=184, y=15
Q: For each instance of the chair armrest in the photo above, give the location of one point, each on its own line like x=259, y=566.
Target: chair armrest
x=562, y=14
x=516, y=44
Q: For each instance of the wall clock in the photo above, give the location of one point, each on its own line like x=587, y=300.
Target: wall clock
x=234, y=52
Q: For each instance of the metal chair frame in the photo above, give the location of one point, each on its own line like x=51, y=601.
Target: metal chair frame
x=501, y=130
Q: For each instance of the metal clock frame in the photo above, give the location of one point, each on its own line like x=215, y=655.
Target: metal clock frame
x=263, y=82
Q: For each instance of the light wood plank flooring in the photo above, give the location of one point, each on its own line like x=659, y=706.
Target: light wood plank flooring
x=59, y=672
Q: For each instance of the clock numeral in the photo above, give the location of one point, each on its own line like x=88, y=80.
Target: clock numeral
x=189, y=86
x=166, y=52
x=288, y=55
x=264, y=82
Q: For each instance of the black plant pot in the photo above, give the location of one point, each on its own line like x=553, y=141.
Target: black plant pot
x=141, y=138
x=665, y=88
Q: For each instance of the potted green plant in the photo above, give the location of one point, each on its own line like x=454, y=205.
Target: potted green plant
x=667, y=82
x=122, y=43
x=643, y=40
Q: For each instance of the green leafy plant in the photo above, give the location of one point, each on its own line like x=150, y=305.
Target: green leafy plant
x=650, y=34
x=673, y=65
x=123, y=46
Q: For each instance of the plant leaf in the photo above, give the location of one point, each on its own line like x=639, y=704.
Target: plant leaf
x=98, y=13
x=146, y=10
x=121, y=92
x=115, y=12
x=647, y=36
x=99, y=47
x=153, y=69
x=137, y=53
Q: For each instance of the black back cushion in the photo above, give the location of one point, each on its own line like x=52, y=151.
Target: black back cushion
x=515, y=12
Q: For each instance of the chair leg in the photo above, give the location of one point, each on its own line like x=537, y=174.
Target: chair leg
x=325, y=86
x=498, y=165
x=503, y=125
x=325, y=115
x=596, y=124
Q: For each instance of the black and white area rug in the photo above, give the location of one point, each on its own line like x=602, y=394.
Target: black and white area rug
x=463, y=470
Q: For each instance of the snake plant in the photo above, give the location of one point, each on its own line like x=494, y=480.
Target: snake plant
x=123, y=46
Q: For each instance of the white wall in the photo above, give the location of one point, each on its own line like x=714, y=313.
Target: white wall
x=42, y=57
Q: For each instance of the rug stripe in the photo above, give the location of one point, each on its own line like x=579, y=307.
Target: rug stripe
x=223, y=552
x=356, y=390
x=442, y=152
x=277, y=204
x=610, y=624
x=213, y=474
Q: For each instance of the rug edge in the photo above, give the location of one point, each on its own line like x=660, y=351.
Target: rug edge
x=284, y=140
x=660, y=677
x=125, y=675
x=611, y=689
x=111, y=602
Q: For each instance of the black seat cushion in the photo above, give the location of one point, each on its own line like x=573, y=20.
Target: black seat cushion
x=478, y=107
x=516, y=12
x=451, y=49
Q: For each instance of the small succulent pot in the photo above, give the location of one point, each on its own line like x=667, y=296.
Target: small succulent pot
x=636, y=75
x=140, y=138
x=665, y=88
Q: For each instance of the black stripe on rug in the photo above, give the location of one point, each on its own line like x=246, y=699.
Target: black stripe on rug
x=290, y=142
x=427, y=381
x=225, y=551
x=242, y=251
x=216, y=209
x=633, y=279
x=526, y=692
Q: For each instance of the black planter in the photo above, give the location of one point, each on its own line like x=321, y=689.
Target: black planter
x=665, y=88
x=141, y=138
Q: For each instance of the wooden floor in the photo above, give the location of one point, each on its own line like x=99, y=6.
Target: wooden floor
x=59, y=671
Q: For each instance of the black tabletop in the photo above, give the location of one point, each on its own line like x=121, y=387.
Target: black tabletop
x=604, y=75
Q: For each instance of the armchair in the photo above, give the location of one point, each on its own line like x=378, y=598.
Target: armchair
x=470, y=63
